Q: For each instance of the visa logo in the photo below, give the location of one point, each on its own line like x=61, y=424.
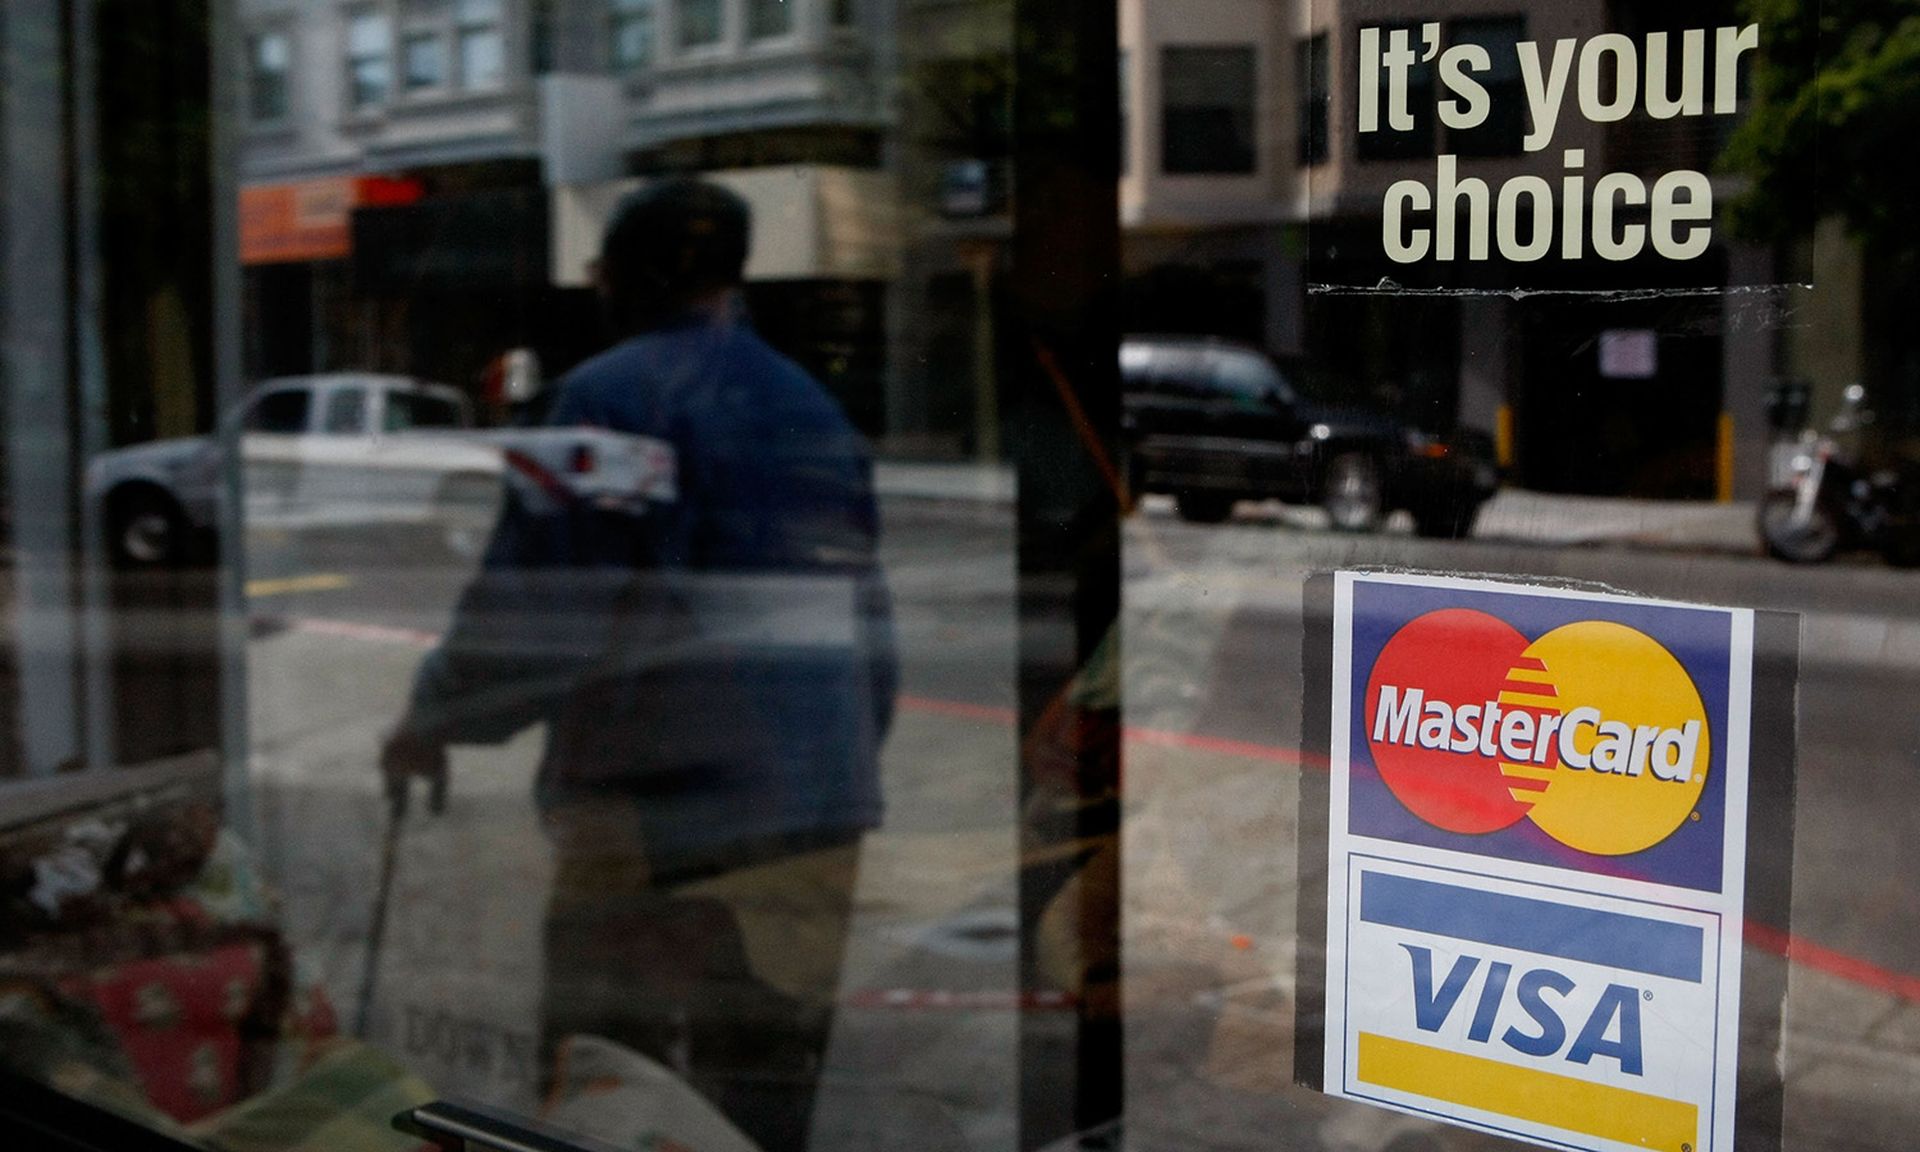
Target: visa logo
x=1611, y=1028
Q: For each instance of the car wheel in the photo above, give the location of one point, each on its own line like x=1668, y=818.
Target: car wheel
x=1352, y=493
x=1450, y=522
x=1808, y=542
x=1204, y=507
x=145, y=529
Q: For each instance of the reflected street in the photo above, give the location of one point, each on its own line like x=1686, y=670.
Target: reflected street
x=1212, y=682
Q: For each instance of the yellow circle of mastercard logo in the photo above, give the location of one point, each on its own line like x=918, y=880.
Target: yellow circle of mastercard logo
x=1594, y=731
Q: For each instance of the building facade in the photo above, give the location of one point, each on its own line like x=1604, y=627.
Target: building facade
x=420, y=174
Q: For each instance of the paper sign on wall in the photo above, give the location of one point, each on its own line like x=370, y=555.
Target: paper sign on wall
x=1536, y=860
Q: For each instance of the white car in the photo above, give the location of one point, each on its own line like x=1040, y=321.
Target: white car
x=356, y=449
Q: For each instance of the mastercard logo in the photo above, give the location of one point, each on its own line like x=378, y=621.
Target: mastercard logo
x=1594, y=731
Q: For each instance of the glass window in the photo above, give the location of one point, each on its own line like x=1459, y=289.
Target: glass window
x=1207, y=118
x=481, y=42
x=346, y=413
x=634, y=23
x=1316, y=99
x=1249, y=377
x=408, y=410
x=769, y=18
x=424, y=54
x=282, y=413
x=702, y=22
x=269, y=59
x=369, y=58
x=738, y=579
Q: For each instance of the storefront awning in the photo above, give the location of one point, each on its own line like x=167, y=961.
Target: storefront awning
x=810, y=222
x=311, y=220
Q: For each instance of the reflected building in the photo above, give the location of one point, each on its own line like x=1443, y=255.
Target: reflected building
x=423, y=178
x=1248, y=191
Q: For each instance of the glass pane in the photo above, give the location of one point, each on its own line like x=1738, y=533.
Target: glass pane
x=701, y=21
x=282, y=413
x=482, y=58
x=769, y=18
x=1208, y=117
x=346, y=411
x=633, y=32
x=368, y=34
x=865, y=619
x=406, y=410
x=426, y=59
x=267, y=78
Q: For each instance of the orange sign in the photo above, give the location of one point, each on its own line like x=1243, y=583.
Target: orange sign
x=313, y=219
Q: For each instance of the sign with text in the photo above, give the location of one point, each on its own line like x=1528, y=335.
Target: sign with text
x=1536, y=860
x=1554, y=147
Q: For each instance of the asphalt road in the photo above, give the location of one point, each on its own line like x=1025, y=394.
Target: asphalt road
x=924, y=1051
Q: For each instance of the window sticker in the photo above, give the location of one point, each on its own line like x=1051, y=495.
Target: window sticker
x=1537, y=822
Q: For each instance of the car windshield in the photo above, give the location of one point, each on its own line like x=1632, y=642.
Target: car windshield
x=1251, y=378
x=282, y=412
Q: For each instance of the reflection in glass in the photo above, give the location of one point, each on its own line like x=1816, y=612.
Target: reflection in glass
x=369, y=63
x=701, y=22
x=633, y=33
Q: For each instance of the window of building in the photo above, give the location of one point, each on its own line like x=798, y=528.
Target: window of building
x=481, y=43
x=1506, y=124
x=423, y=60
x=633, y=33
x=769, y=18
x=1207, y=120
x=702, y=22
x=269, y=57
x=1418, y=142
x=369, y=58
x=1316, y=99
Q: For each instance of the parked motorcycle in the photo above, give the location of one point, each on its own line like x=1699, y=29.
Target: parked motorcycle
x=1828, y=500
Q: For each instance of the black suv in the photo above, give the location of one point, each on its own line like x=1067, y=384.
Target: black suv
x=1213, y=422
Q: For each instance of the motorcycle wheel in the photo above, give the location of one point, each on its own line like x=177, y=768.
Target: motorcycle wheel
x=1809, y=543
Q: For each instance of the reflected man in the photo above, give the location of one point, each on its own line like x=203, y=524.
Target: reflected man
x=716, y=673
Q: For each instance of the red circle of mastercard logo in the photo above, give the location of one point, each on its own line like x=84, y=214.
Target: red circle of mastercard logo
x=1593, y=731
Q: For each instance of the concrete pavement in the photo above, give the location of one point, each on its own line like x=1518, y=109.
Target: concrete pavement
x=925, y=1047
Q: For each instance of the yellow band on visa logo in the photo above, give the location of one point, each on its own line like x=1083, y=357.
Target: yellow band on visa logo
x=1529, y=1094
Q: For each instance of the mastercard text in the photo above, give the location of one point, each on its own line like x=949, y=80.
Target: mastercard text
x=1583, y=738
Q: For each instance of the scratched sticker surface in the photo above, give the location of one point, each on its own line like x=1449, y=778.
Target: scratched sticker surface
x=1536, y=860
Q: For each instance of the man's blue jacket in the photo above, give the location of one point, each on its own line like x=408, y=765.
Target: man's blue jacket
x=725, y=661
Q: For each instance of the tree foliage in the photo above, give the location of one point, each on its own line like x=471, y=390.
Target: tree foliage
x=1834, y=123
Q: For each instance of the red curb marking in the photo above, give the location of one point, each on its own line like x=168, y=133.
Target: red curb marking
x=1804, y=952
x=959, y=710
x=920, y=999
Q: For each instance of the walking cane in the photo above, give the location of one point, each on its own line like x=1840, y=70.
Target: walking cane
x=399, y=791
